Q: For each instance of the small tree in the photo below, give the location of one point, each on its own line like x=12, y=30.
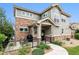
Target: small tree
x=2, y=38
x=76, y=36
x=5, y=26
x=8, y=29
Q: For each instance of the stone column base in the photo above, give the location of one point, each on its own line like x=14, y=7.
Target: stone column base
x=38, y=41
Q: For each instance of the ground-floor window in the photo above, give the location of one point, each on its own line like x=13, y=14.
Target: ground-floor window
x=62, y=30
x=23, y=29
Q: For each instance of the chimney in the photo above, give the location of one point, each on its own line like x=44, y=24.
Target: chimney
x=55, y=4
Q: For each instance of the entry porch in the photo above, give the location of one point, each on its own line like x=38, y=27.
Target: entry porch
x=42, y=30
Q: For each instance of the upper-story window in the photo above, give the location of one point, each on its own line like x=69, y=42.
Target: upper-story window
x=23, y=13
x=29, y=14
x=63, y=20
x=45, y=15
x=56, y=20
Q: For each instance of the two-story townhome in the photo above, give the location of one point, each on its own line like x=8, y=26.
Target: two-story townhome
x=53, y=22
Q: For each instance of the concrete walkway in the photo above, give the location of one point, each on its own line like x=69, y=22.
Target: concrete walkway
x=57, y=50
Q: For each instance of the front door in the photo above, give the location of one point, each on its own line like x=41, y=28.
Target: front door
x=45, y=32
x=43, y=35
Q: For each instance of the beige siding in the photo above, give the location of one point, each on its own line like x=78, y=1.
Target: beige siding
x=65, y=25
x=57, y=31
x=55, y=14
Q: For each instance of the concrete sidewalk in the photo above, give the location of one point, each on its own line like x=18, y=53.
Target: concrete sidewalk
x=57, y=50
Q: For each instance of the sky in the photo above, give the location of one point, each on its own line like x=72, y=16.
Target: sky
x=70, y=8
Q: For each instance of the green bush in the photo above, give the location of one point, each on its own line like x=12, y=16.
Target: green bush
x=24, y=50
x=43, y=46
x=57, y=42
x=76, y=36
x=77, y=31
x=38, y=51
x=2, y=38
x=47, y=47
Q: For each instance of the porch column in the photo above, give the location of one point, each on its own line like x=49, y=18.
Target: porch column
x=32, y=31
x=39, y=33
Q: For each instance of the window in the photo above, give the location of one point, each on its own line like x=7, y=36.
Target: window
x=23, y=29
x=62, y=30
x=56, y=20
x=30, y=14
x=23, y=13
x=63, y=20
x=45, y=15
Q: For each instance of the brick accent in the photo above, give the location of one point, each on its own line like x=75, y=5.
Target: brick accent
x=21, y=22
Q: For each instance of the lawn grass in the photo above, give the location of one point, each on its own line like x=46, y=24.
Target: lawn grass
x=73, y=50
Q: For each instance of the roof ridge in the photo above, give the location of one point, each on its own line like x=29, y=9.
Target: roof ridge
x=32, y=11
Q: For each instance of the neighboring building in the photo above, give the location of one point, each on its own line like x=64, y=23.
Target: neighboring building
x=53, y=22
x=74, y=26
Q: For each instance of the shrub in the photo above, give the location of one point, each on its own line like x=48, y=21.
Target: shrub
x=2, y=38
x=38, y=51
x=24, y=50
x=47, y=47
x=76, y=36
x=77, y=31
x=43, y=46
x=57, y=42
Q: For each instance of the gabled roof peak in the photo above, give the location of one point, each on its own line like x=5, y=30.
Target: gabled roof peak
x=55, y=4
